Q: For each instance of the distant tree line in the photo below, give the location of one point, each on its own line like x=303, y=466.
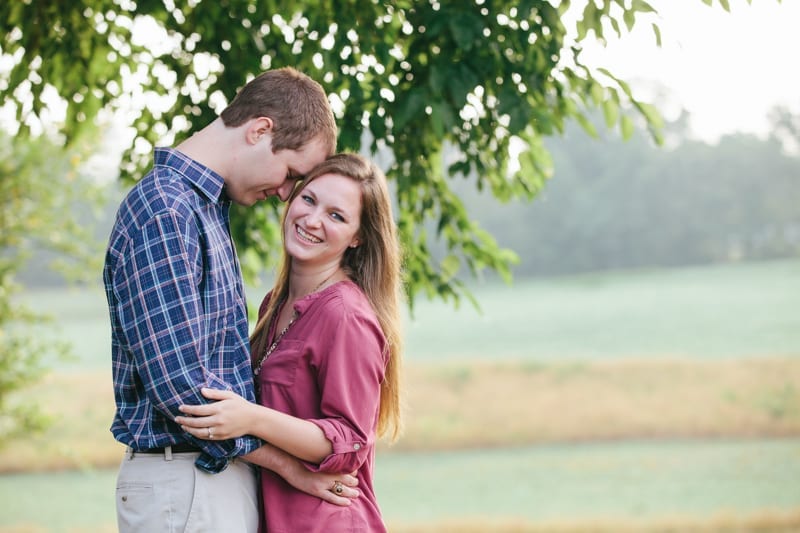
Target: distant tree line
x=615, y=204
x=619, y=205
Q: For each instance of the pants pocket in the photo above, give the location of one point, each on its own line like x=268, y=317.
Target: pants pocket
x=136, y=507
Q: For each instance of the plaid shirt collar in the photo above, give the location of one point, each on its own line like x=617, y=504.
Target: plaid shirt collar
x=208, y=182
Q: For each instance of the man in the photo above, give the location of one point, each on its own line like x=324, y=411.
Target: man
x=178, y=314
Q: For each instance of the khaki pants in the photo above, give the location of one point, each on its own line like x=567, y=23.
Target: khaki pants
x=167, y=493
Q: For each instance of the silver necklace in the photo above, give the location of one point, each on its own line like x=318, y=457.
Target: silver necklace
x=271, y=348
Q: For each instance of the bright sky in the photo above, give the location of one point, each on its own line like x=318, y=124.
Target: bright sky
x=726, y=69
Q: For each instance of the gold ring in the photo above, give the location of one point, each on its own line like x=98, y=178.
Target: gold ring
x=338, y=488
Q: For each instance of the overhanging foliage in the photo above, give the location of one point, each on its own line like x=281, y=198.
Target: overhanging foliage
x=413, y=81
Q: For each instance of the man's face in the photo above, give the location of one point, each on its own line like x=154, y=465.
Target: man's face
x=263, y=173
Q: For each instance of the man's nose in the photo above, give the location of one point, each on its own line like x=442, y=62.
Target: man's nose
x=285, y=190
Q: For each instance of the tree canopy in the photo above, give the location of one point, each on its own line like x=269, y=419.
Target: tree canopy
x=409, y=81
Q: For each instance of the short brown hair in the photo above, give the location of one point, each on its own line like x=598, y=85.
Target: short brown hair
x=296, y=104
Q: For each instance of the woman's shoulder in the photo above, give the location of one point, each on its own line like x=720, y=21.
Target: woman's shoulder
x=345, y=298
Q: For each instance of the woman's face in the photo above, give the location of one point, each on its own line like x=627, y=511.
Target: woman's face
x=323, y=220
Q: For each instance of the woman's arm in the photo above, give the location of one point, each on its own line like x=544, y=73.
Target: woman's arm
x=319, y=484
x=232, y=416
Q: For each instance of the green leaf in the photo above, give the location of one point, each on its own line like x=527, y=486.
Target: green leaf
x=630, y=19
x=583, y=30
x=466, y=29
x=651, y=114
x=462, y=81
x=610, y=112
x=590, y=19
x=622, y=84
x=587, y=126
x=626, y=127
x=437, y=123
x=642, y=6
x=657, y=33
x=596, y=91
x=409, y=107
x=449, y=267
x=615, y=25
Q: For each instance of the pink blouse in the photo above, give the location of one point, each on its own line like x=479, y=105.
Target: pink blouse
x=327, y=368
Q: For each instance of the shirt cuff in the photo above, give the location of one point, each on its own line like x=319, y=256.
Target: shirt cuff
x=349, y=450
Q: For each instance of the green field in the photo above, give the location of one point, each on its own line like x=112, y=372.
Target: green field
x=703, y=312
x=586, y=483
x=642, y=401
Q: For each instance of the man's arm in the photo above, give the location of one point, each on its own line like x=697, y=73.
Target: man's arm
x=162, y=316
x=297, y=475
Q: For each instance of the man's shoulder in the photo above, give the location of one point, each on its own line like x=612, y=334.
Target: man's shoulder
x=162, y=191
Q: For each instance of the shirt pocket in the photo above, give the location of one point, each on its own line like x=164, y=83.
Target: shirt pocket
x=280, y=368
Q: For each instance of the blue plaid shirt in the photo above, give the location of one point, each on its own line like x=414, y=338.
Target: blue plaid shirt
x=177, y=306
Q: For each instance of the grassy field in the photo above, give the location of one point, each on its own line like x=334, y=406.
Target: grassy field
x=747, y=310
x=701, y=313
x=463, y=406
x=550, y=410
x=639, y=486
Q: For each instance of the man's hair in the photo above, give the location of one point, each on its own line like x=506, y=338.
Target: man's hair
x=297, y=105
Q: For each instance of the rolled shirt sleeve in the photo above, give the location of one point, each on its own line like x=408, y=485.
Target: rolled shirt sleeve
x=349, y=377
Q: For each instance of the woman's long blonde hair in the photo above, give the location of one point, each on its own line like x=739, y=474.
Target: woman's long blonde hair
x=374, y=265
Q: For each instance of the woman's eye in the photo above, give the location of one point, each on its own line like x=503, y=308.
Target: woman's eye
x=307, y=199
x=337, y=216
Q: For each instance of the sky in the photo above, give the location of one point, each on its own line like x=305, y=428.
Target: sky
x=727, y=69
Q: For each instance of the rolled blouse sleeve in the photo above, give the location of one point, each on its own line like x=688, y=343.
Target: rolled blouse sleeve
x=351, y=365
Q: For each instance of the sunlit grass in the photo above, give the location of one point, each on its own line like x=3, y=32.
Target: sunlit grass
x=477, y=404
x=707, y=485
x=707, y=354
x=762, y=522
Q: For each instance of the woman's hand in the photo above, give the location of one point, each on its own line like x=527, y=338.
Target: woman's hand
x=338, y=489
x=323, y=485
x=230, y=416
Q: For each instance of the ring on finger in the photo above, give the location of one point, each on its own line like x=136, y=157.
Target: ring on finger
x=210, y=432
x=338, y=488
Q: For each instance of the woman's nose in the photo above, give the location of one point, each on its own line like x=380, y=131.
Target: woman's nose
x=313, y=218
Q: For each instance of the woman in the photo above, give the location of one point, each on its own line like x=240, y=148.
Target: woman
x=326, y=348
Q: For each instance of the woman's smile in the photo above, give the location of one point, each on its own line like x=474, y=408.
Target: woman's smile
x=306, y=236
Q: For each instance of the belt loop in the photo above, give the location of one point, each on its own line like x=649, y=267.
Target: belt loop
x=129, y=453
x=168, y=453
